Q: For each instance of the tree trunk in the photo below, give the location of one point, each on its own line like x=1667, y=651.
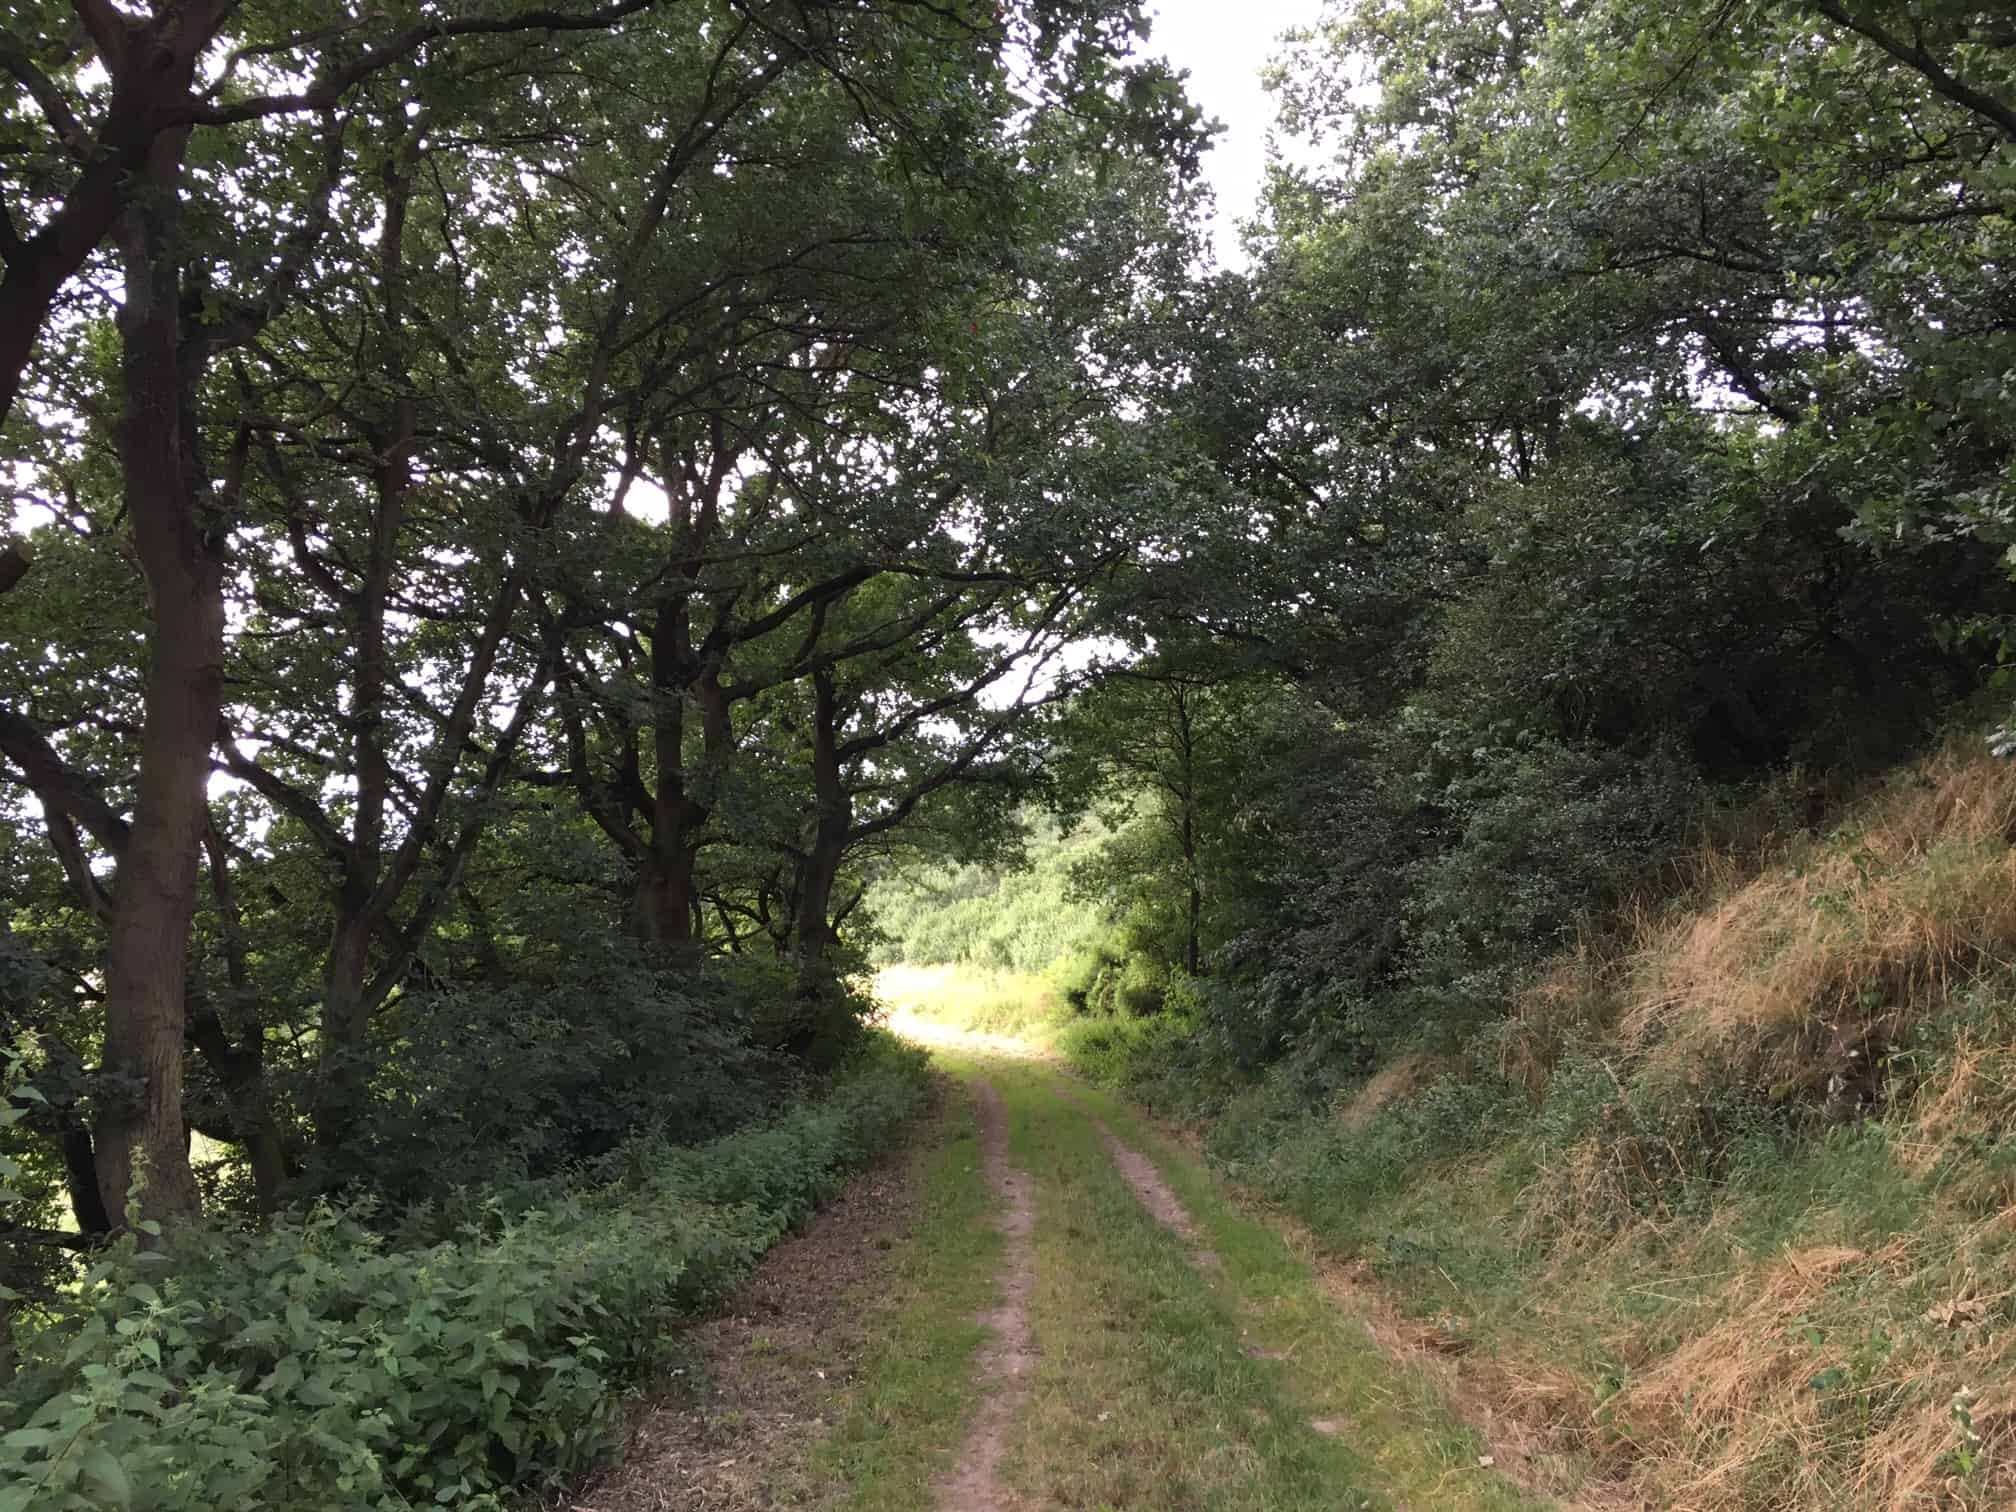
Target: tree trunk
x=665, y=895
x=267, y=1154
x=141, y=1138
x=1194, y=924
x=1187, y=795
x=151, y=63
x=240, y=1068
x=341, y=1072
x=813, y=935
x=241, y=1074
x=666, y=885
x=812, y=932
x=80, y=1177
x=1192, y=962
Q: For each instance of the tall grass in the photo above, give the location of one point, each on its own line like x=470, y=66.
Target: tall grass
x=1017, y=1004
x=1731, y=1207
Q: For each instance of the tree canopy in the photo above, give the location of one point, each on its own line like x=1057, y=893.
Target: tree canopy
x=524, y=519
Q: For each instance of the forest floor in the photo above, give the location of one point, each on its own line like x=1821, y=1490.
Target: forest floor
x=1044, y=1301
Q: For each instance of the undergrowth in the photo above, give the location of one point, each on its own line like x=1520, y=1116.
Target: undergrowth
x=1730, y=1207
x=316, y=1366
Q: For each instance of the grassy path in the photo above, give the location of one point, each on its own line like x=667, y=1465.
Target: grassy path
x=1080, y=1318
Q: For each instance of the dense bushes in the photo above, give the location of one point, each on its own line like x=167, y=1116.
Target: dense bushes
x=504, y=1081
x=315, y=1366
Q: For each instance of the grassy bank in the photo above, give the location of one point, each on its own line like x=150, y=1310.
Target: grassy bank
x=1732, y=1208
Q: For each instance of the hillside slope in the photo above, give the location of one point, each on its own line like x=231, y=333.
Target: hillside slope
x=1731, y=1209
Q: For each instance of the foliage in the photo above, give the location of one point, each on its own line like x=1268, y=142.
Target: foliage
x=523, y=1079
x=1543, y=527
x=1013, y=914
x=551, y=537
x=1729, y=1186
x=314, y=1365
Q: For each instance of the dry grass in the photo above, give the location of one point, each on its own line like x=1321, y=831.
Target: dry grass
x=1700, y=1419
x=1800, y=1345
x=1811, y=1384
x=1974, y=1098
x=1803, y=973
x=1801, y=978
x=1400, y=1078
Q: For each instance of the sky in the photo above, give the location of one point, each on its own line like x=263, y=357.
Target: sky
x=1224, y=44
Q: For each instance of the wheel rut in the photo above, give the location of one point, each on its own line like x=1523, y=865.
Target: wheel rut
x=1005, y=1362
x=1145, y=1181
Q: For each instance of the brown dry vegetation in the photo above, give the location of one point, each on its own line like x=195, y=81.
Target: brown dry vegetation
x=1817, y=962
x=1399, y=1078
x=1774, y=1264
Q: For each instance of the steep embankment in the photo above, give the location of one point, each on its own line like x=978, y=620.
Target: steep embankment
x=1732, y=1211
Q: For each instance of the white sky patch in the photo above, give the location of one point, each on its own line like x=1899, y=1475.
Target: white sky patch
x=1224, y=47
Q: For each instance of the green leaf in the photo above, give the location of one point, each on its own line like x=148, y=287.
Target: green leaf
x=103, y=1472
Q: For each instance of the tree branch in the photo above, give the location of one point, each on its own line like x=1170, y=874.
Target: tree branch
x=1914, y=56
x=15, y=560
x=58, y=786
x=331, y=87
x=284, y=796
x=47, y=97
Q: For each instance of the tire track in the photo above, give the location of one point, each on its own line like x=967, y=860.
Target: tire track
x=1145, y=1181
x=1004, y=1363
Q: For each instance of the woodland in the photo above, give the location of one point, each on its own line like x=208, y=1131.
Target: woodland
x=545, y=538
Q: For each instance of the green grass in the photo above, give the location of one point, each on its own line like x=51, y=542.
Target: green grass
x=1194, y=1416
x=1016, y=1004
x=1151, y=1389
x=1705, y=1292
x=899, y=1420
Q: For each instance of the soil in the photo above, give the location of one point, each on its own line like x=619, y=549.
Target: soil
x=1005, y=1362
x=1139, y=1172
x=734, y=1439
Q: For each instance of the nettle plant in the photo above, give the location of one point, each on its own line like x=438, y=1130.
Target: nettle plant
x=316, y=1365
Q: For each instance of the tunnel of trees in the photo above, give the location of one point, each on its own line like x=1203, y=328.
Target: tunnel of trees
x=520, y=515
x=509, y=510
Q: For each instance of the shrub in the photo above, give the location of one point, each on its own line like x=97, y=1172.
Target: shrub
x=518, y=1080
x=315, y=1366
x=1003, y=917
x=1088, y=976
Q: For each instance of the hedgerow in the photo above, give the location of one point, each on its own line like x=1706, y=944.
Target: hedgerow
x=314, y=1366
